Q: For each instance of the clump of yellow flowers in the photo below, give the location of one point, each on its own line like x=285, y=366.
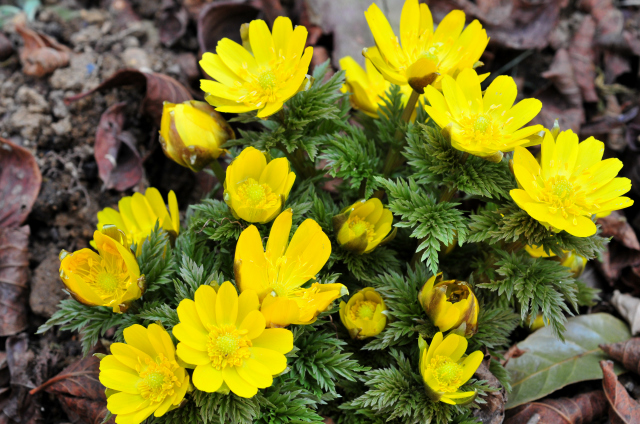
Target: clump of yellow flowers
x=423, y=56
x=263, y=78
x=570, y=184
x=445, y=368
x=363, y=226
x=138, y=215
x=223, y=336
x=143, y=376
x=109, y=278
x=365, y=314
x=256, y=190
x=278, y=273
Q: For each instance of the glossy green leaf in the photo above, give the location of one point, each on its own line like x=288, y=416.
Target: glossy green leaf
x=550, y=364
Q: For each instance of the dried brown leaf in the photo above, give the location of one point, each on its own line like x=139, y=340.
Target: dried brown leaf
x=582, y=57
x=222, y=20
x=173, y=22
x=561, y=73
x=21, y=407
x=629, y=308
x=20, y=181
x=584, y=408
x=622, y=408
x=41, y=54
x=628, y=353
x=159, y=88
x=14, y=275
x=119, y=163
x=491, y=412
x=615, y=225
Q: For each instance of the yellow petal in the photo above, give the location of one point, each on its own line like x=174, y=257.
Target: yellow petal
x=136, y=336
x=590, y=152
x=192, y=356
x=261, y=42
x=282, y=33
x=581, y=226
x=236, y=57
x=470, y=365
x=237, y=384
x=274, y=361
x=188, y=314
x=449, y=28
x=216, y=69
x=226, y=304
x=452, y=345
x=521, y=114
x=247, y=302
x=279, y=235
x=276, y=339
x=205, y=300
x=500, y=95
x=565, y=154
x=161, y=341
x=255, y=373
x=382, y=34
x=207, y=378
x=435, y=343
x=253, y=323
x=120, y=381
x=126, y=403
x=470, y=85
x=409, y=24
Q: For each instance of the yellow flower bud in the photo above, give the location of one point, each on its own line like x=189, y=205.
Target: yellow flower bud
x=444, y=368
x=576, y=263
x=110, y=277
x=192, y=133
x=364, y=226
x=365, y=314
x=451, y=305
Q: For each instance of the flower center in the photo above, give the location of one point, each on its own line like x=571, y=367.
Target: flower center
x=157, y=379
x=359, y=227
x=107, y=282
x=446, y=372
x=481, y=124
x=481, y=129
x=254, y=194
x=363, y=310
x=562, y=188
x=227, y=346
x=561, y=195
x=267, y=80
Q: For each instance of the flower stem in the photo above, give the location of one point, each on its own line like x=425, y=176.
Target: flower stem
x=218, y=171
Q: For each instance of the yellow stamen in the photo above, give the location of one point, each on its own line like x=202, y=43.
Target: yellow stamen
x=446, y=372
x=227, y=346
x=254, y=194
x=157, y=378
x=363, y=310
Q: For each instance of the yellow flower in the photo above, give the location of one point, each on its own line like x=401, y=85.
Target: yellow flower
x=368, y=89
x=486, y=125
x=422, y=56
x=264, y=78
x=224, y=336
x=254, y=190
x=278, y=273
x=365, y=314
x=192, y=133
x=142, y=376
x=576, y=263
x=451, y=305
x=110, y=277
x=139, y=213
x=571, y=183
x=363, y=226
x=444, y=368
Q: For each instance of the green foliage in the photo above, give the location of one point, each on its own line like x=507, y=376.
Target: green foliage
x=495, y=324
x=214, y=219
x=155, y=261
x=286, y=402
x=433, y=223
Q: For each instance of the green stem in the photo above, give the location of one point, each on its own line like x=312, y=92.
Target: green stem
x=217, y=169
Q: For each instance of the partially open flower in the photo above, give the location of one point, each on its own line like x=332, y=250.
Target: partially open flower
x=365, y=314
x=423, y=56
x=110, y=277
x=278, y=273
x=223, y=335
x=142, y=376
x=368, y=88
x=576, y=263
x=570, y=184
x=256, y=190
x=445, y=368
x=451, y=305
x=363, y=226
x=192, y=133
x=139, y=213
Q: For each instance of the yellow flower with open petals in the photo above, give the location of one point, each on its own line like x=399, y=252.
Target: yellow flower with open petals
x=486, y=125
x=264, y=78
x=444, y=368
x=139, y=213
x=110, y=277
x=570, y=184
x=422, y=57
x=223, y=335
x=368, y=88
x=278, y=273
x=365, y=314
x=363, y=226
x=256, y=190
x=142, y=376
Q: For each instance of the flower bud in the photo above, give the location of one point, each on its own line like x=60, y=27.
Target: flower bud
x=192, y=133
x=576, y=263
x=364, y=315
x=363, y=226
x=451, y=305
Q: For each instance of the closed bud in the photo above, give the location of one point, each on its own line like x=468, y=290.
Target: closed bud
x=192, y=133
x=451, y=305
x=363, y=226
x=364, y=315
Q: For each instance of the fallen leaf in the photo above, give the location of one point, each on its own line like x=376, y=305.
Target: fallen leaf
x=222, y=20
x=14, y=276
x=628, y=353
x=582, y=57
x=173, y=22
x=119, y=163
x=21, y=407
x=615, y=225
x=20, y=181
x=615, y=64
x=515, y=24
x=609, y=20
x=550, y=364
x=561, y=73
x=159, y=88
x=622, y=408
x=629, y=308
x=6, y=48
x=491, y=412
x=584, y=408
x=41, y=54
